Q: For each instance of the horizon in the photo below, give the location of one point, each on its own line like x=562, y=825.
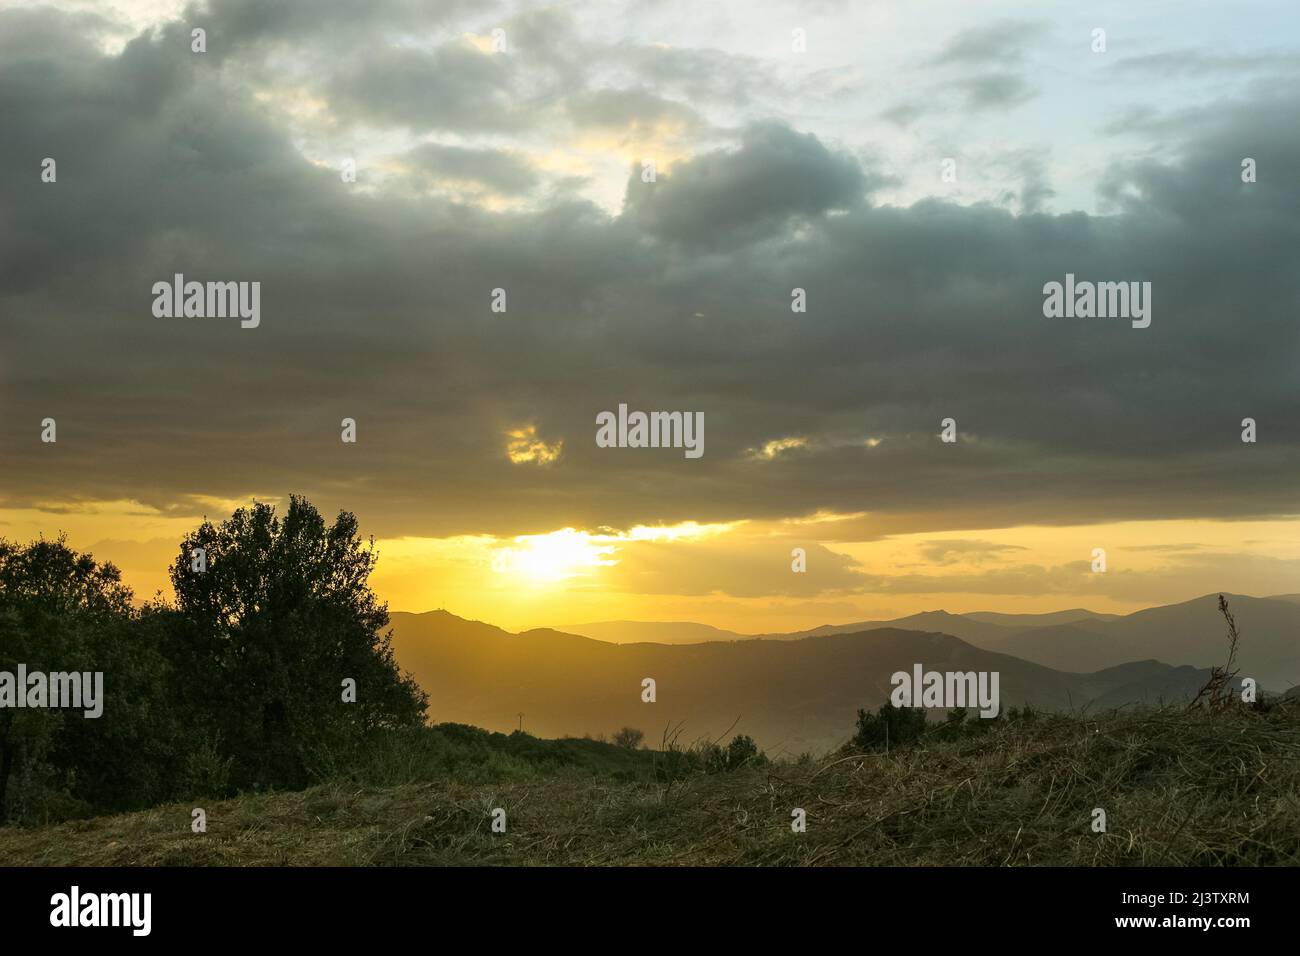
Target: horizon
x=531, y=588
x=563, y=628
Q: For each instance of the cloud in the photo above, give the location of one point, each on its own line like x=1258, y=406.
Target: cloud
x=776, y=175
x=1199, y=63
x=996, y=91
x=631, y=110
x=525, y=447
x=998, y=43
x=455, y=87
x=947, y=551
x=734, y=565
x=491, y=169
x=376, y=306
x=253, y=26
x=985, y=63
x=693, y=75
x=778, y=446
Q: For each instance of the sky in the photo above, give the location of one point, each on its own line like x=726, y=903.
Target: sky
x=920, y=170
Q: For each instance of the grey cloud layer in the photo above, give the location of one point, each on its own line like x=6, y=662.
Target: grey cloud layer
x=376, y=306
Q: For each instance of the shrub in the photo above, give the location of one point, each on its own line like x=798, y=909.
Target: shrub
x=628, y=737
x=889, y=728
x=743, y=750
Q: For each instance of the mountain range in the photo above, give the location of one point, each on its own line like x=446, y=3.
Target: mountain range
x=1192, y=632
x=801, y=691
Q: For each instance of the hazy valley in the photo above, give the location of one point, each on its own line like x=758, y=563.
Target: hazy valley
x=799, y=692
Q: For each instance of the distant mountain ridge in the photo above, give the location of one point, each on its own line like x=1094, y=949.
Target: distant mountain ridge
x=1070, y=616
x=1191, y=632
x=654, y=632
x=791, y=695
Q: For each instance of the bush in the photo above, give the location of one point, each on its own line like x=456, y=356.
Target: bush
x=628, y=737
x=743, y=750
x=889, y=728
x=207, y=772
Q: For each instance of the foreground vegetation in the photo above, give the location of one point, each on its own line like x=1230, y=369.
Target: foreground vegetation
x=1182, y=787
x=272, y=667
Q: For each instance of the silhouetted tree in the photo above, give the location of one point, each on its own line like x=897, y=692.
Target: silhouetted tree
x=279, y=617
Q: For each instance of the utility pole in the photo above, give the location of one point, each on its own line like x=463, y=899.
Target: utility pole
x=521, y=721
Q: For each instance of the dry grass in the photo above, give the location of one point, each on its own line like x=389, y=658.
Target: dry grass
x=1178, y=788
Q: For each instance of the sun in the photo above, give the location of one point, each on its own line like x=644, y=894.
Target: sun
x=554, y=557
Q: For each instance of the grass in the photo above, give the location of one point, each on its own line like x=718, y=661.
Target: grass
x=1178, y=788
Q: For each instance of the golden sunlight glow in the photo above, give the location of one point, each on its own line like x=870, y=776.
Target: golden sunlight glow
x=524, y=446
x=778, y=445
x=691, y=570
x=569, y=553
x=558, y=556
x=822, y=516
x=480, y=42
x=676, y=532
x=665, y=142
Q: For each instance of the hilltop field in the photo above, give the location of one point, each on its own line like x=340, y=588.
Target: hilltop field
x=1177, y=788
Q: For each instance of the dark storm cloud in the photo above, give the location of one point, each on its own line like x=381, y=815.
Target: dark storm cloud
x=375, y=306
x=453, y=87
x=235, y=24
x=776, y=175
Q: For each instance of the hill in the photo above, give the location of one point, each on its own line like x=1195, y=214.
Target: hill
x=654, y=632
x=1075, y=615
x=1083, y=641
x=974, y=632
x=979, y=627
x=1070, y=647
x=790, y=695
x=1022, y=794
x=1188, y=633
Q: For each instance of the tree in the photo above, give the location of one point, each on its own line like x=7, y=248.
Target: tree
x=269, y=625
x=61, y=611
x=628, y=737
